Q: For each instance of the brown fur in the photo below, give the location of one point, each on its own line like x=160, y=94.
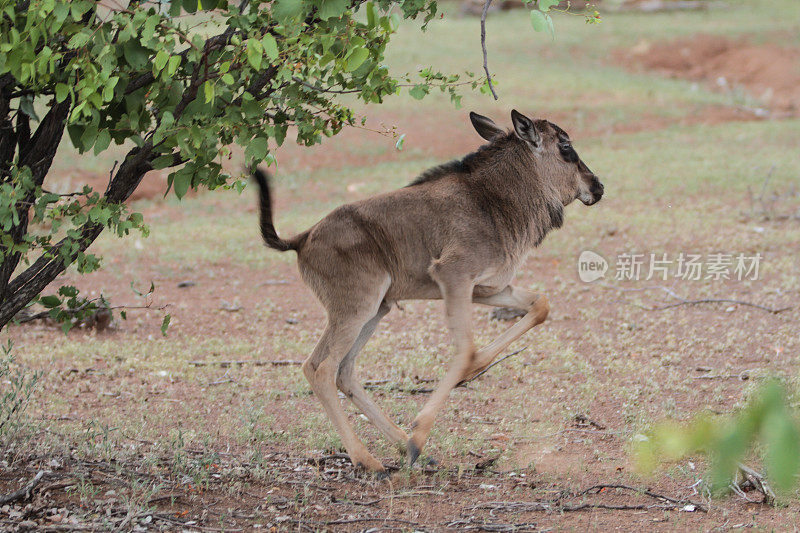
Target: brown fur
x=457, y=232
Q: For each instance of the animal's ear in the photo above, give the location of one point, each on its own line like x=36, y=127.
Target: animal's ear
x=485, y=126
x=526, y=129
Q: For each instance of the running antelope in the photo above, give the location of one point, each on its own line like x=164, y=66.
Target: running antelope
x=458, y=232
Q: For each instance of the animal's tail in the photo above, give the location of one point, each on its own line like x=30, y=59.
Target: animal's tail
x=268, y=232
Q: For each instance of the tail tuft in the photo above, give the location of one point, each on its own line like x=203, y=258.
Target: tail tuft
x=268, y=232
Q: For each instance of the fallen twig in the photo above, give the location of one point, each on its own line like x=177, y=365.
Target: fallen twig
x=491, y=526
x=717, y=301
x=376, y=385
x=225, y=364
x=684, y=301
x=24, y=492
x=485, y=370
x=757, y=480
x=600, y=488
x=558, y=506
x=742, y=376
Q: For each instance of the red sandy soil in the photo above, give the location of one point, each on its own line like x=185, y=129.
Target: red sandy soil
x=768, y=72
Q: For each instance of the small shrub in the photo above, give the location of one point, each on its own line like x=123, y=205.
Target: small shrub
x=16, y=387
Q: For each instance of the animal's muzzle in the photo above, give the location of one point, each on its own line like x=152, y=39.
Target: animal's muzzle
x=595, y=192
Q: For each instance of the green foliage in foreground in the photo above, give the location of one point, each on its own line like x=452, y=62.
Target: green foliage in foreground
x=766, y=420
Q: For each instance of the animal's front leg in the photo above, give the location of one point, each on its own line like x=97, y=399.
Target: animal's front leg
x=457, y=294
x=537, y=309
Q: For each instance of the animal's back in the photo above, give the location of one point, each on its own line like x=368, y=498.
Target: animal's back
x=397, y=234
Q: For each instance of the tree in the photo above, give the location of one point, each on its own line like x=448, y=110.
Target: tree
x=148, y=79
x=178, y=86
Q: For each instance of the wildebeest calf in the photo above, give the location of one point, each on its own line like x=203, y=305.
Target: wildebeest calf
x=458, y=232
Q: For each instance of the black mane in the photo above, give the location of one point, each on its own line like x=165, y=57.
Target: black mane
x=466, y=164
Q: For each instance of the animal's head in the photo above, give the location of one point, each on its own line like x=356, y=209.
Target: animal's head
x=554, y=158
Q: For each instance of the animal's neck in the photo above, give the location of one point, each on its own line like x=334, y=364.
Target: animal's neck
x=520, y=201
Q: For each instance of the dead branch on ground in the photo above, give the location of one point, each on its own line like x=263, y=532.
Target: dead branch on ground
x=25, y=491
x=226, y=364
x=667, y=503
x=747, y=478
x=718, y=301
x=684, y=301
x=485, y=370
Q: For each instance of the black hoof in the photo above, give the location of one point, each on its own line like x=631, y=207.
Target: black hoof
x=413, y=452
x=430, y=461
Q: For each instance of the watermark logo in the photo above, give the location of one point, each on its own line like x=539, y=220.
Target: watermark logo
x=683, y=266
x=591, y=266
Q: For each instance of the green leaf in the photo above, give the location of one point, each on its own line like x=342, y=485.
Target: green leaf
x=192, y=6
x=782, y=449
x=270, y=46
x=70, y=291
x=102, y=142
x=181, y=182
x=418, y=92
x=26, y=106
x=79, y=39
x=286, y=10
x=208, y=91
x=62, y=91
x=280, y=134
x=731, y=447
x=172, y=65
x=356, y=57
x=77, y=9
x=136, y=55
x=550, y=26
x=89, y=136
x=257, y=149
x=254, y=53
x=332, y=8
x=545, y=5
x=50, y=301
x=538, y=20
x=165, y=324
x=400, y=141
x=160, y=60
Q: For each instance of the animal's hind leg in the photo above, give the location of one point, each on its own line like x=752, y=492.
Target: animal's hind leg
x=321, y=369
x=537, y=309
x=348, y=383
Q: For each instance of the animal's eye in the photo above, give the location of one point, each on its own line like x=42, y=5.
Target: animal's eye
x=568, y=152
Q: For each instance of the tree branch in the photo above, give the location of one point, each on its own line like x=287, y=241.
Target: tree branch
x=483, y=47
x=24, y=491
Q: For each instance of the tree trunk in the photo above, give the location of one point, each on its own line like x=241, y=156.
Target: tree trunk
x=33, y=280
